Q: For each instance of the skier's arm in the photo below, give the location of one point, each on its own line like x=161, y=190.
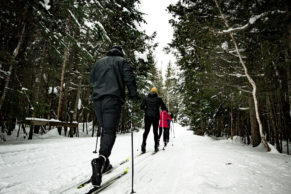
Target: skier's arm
x=129, y=79
x=143, y=105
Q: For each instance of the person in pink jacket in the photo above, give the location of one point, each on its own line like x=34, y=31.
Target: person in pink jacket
x=164, y=124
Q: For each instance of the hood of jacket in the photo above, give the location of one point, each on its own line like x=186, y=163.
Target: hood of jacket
x=115, y=52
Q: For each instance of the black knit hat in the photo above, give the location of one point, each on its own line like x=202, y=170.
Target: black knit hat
x=118, y=47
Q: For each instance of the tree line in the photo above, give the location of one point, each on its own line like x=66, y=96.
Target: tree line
x=214, y=85
x=47, y=49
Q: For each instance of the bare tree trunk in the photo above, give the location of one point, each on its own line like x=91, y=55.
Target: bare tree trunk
x=64, y=109
x=237, y=126
x=273, y=122
x=231, y=120
x=288, y=82
x=77, y=102
x=93, y=128
x=62, y=83
x=87, y=116
x=77, y=99
x=62, y=76
x=38, y=80
x=251, y=81
x=15, y=53
x=284, y=103
x=254, y=127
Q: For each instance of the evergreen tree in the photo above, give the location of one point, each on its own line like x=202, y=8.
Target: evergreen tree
x=57, y=44
x=214, y=86
x=171, y=91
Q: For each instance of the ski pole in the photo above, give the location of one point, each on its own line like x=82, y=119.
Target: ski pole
x=163, y=131
x=132, y=157
x=172, y=123
x=95, y=151
x=173, y=130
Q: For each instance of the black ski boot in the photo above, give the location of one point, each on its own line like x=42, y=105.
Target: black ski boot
x=143, y=148
x=156, y=148
x=97, y=169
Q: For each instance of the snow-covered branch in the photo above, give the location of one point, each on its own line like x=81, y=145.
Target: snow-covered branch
x=251, y=21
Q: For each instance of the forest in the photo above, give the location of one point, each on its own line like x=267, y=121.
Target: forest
x=212, y=40
x=233, y=75
x=48, y=49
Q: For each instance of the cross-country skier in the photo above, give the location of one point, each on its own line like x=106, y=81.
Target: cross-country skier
x=164, y=124
x=109, y=77
x=151, y=106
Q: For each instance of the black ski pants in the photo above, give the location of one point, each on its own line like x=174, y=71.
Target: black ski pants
x=166, y=133
x=148, y=121
x=108, y=110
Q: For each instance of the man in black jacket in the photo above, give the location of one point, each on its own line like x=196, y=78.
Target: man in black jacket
x=109, y=77
x=151, y=105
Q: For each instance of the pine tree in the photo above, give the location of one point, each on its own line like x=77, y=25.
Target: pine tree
x=214, y=86
x=64, y=34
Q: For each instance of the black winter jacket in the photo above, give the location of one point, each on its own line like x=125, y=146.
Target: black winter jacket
x=151, y=105
x=109, y=76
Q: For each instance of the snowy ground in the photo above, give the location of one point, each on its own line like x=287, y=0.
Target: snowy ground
x=190, y=164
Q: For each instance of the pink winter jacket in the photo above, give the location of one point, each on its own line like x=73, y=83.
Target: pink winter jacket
x=164, y=117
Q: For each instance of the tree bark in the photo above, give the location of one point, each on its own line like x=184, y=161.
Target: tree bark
x=14, y=55
x=77, y=99
x=62, y=76
x=231, y=120
x=62, y=83
x=284, y=103
x=254, y=127
x=38, y=80
x=273, y=122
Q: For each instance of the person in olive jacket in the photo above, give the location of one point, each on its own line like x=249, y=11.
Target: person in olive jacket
x=109, y=77
x=151, y=106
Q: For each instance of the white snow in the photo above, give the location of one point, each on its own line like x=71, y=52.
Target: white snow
x=75, y=18
x=4, y=72
x=89, y=24
x=53, y=90
x=24, y=89
x=235, y=29
x=224, y=45
x=251, y=21
x=255, y=18
x=79, y=104
x=142, y=56
x=45, y=4
x=104, y=31
x=190, y=165
x=237, y=75
x=40, y=119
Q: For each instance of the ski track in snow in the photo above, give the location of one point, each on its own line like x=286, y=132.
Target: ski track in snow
x=190, y=164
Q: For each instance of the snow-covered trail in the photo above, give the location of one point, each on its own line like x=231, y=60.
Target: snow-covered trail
x=190, y=164
x=196, y=164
